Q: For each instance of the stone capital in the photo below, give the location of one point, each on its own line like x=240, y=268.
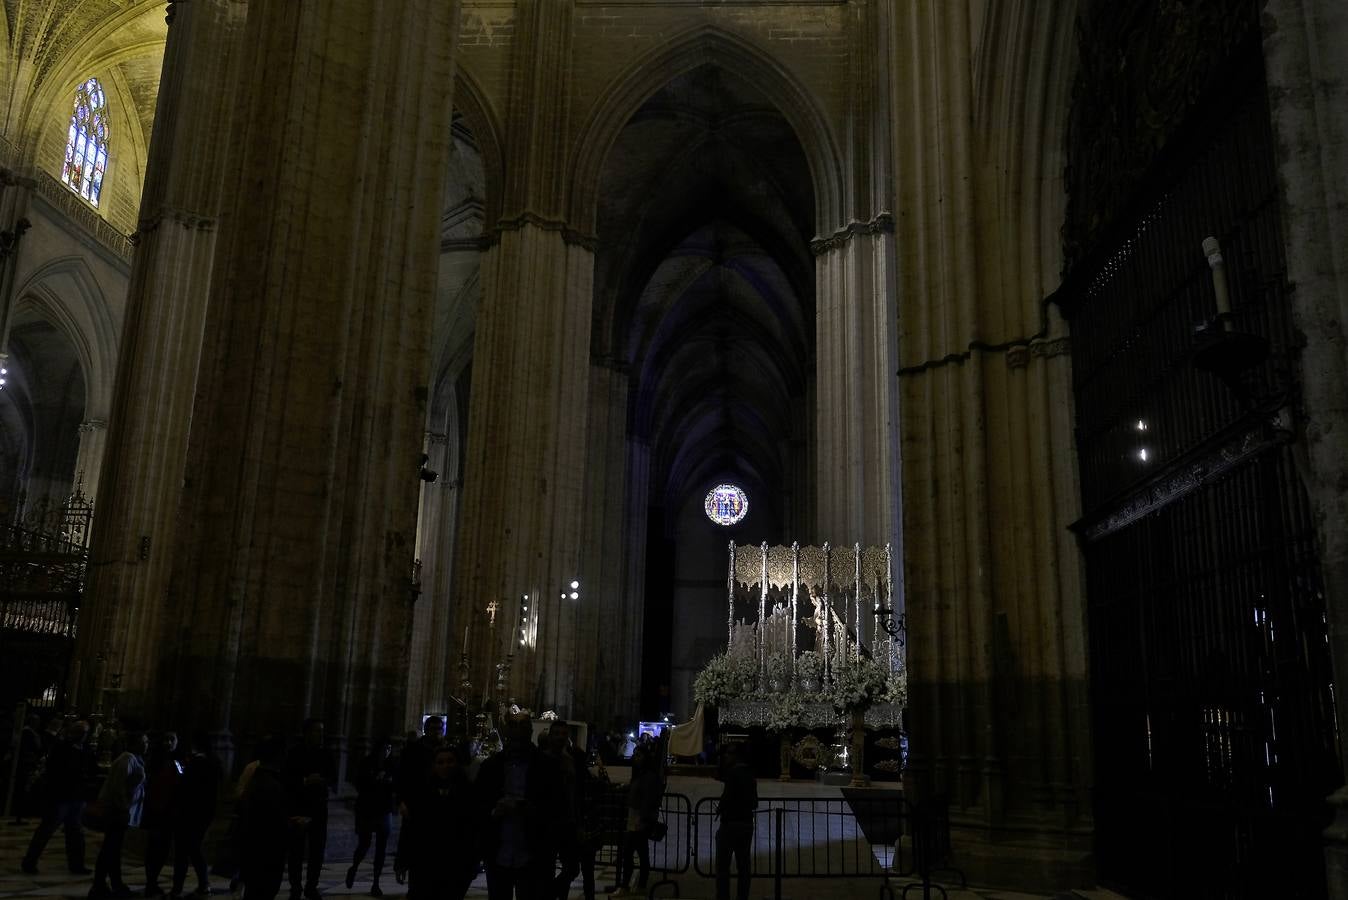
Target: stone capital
x=881, y=223
x=185, y=218
x=528, y=217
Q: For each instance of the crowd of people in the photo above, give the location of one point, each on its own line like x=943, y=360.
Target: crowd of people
x=534, y=816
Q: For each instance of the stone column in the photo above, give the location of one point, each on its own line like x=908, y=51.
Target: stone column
x=857, y=414
x=857, y=395
x=996, y=630
x=89, y=463
x=291, y=587
x=527, y=437
x=1307, y=72
x=146, y=448
x=603, y=650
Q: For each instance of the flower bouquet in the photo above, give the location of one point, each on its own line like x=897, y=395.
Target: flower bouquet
x=809, y=671
x=859, y=684
x=717, y=682
x=896, y=688
x=778, y=672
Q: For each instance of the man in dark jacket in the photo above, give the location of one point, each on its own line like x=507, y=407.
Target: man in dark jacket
x=517, y=793
x=310, y=774
x=735, y=836
x=198, y=794
x=374, y=812
x=415, y=766
x=438, y=844
x=577, y=831
x=63, y=792
x=266, y=823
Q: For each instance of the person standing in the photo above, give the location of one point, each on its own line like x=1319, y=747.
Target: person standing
x=311, y=775
x=578, y=833
x=734, y=837
x=415, y=765
x=643, y=810
x=374, y=812
x=30, y=751
x=62, y=795
x=162, y=774
x=266, y=824
x=437, y=849
x=122, y=797
x=198, y=795
x=517, y=794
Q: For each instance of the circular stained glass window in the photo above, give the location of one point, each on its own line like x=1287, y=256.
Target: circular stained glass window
x=726, y=504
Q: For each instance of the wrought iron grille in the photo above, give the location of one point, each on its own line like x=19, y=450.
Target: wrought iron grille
x=1212, y=691
x=43, y=556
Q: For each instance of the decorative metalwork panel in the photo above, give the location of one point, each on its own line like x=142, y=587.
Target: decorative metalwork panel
x=748, y=564
x=812, y=568
x=780, y=566
x=844, y=566
x=43, y=557
x=875, y=569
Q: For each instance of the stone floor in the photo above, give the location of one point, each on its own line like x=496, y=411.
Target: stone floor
x=54, y=882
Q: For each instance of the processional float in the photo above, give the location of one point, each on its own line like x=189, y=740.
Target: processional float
x=814, y=639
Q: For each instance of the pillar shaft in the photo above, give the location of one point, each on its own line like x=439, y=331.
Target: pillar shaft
x=996, y=637
x=1308, y=97
x=290, y=593
x=146, y=448
x=524, y=475
x=525, y=466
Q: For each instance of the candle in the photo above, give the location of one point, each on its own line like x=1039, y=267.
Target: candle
x=465, y=640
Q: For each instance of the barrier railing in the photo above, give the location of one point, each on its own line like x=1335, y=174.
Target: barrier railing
x=882, y=836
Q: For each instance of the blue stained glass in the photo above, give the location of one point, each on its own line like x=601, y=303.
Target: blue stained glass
x=87, y=142
x=726, y=504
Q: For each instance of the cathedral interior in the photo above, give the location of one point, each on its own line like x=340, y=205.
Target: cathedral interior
x=360, y=359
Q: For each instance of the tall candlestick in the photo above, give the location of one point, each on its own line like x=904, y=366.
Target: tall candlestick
x=465, y=640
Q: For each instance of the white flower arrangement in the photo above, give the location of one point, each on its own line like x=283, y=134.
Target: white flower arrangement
x=717, y=682
x=777, y=667
x=859, y=684
x=896, y=688
x=784, y=713
x=810, y=665
x=744, y=668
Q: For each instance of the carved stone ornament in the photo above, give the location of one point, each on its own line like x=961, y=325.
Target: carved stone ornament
x=883, y=223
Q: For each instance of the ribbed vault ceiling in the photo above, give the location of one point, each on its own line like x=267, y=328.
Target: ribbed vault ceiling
x=704, y=282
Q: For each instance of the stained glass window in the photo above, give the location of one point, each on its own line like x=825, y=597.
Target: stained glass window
x=87, y=142
x=726, y=504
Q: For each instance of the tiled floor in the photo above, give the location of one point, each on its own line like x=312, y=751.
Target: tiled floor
x=54, y=882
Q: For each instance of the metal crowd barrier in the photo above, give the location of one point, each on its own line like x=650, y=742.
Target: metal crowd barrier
x=884, y=837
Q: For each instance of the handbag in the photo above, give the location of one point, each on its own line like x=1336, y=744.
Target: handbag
x=658, y=830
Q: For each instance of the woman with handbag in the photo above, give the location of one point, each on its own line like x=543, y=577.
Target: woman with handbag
x=643, y=814
x=121, y=799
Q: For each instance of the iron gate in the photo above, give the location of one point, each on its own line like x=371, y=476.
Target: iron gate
x=1212, y=693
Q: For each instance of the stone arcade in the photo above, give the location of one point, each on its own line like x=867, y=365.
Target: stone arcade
x=910, y=272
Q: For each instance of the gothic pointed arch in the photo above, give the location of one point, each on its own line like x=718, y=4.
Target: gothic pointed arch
x=65, y=293
x=472, y=103
x=745, y=60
